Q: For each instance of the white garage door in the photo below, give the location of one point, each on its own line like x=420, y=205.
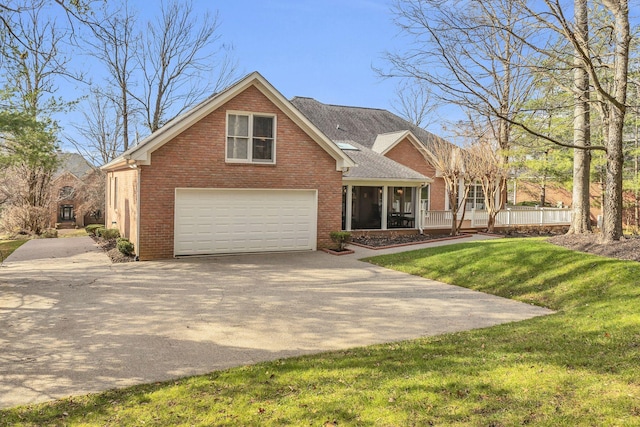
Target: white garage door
x=216, y=221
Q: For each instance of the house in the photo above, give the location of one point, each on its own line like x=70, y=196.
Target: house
x=398, y=142
x=68, y=207
x=247, y=170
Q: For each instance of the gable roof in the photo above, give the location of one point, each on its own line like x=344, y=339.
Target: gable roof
x=362, y=125
x=142, y=153
x=74, y=164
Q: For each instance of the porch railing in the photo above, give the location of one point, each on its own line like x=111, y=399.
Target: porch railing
x=508, y=217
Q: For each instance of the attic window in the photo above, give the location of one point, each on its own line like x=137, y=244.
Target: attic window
x=250, y=138
x=346, y=146
x=66, y=193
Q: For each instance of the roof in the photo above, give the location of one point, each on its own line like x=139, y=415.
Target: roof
x=73, y=163
x=362, y=125
x=142, y=153
x=373, y=166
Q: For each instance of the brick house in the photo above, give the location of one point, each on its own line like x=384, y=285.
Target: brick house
x=247, y=170
x=66, y=185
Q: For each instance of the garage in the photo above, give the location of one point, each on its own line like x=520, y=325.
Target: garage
x=227, y=221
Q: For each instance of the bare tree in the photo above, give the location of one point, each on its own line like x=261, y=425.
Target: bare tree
x=466, y=58
x=114, y=44
x=181, y=61
x=414, y=102
x=92, y=192
x=451, y=163
x=487, y=166
x=33, y=61
x=102, y=130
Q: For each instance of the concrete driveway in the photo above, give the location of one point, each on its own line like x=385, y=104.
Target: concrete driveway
x=76, y=323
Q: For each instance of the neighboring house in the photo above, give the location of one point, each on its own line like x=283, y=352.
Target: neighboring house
x=249, y=171
x=67, y=199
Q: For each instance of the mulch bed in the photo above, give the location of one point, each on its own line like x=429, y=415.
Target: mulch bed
x=109, y=246
x=383, y=241
x=627, y=248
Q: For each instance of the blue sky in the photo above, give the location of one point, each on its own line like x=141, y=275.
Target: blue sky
x=323, y=49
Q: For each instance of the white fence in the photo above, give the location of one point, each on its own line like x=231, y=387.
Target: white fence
x=508, y=217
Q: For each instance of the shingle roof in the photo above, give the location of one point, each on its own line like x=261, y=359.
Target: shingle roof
x=372, y=165
x=362, y=125
x=73, y=163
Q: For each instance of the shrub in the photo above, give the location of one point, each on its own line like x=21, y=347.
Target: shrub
x=98, y=231
x=49, y=233
x=91, y=228
x=125, y=246
x=340, y=238
x=110, y=233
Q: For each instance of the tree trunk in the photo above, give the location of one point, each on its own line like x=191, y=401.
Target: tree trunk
x=612, y=223
x=612, y=208
x=581, y=220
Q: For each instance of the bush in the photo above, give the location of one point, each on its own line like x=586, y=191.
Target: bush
x=92, y=228
x=98, y=231
x=49, y=233
x=125, y=246
x=109, y=233
x=340, y=238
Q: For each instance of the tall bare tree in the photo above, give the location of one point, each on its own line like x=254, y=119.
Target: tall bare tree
x=114, y=44
x=181, y=60
x=101, y=130
x=414, y=102
x=469, y=61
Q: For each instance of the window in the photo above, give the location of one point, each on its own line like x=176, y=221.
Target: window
x=475, y=199
x=66, y=192
x=250, y=138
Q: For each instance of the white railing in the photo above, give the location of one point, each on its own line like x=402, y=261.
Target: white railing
x=508, y=217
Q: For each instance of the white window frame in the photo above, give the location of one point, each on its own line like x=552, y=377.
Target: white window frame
x=250, y=138
x=473, y=195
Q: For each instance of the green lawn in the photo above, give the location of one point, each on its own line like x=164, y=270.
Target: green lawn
x=580, y=366
x=8, y=246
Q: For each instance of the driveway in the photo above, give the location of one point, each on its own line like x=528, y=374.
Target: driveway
x=72, y=323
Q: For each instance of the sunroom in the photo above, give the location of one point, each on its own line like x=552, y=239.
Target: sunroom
x=380, y=194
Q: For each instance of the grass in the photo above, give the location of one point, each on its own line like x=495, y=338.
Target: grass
x=579, y=366
x=8, y=246
x=79, y=232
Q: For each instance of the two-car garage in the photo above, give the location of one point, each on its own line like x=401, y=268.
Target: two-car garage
x=225, y=221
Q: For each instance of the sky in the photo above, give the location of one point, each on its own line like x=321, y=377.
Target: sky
x=324, y=49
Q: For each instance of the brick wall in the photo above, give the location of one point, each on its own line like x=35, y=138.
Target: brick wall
x=196, y=159
x=65, y=180
x=124, y=214
x=406, y=154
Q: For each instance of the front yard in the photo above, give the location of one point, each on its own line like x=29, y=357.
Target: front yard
x=576, y=367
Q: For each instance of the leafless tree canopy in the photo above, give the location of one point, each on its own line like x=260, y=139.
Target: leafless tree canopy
x=176, y=51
